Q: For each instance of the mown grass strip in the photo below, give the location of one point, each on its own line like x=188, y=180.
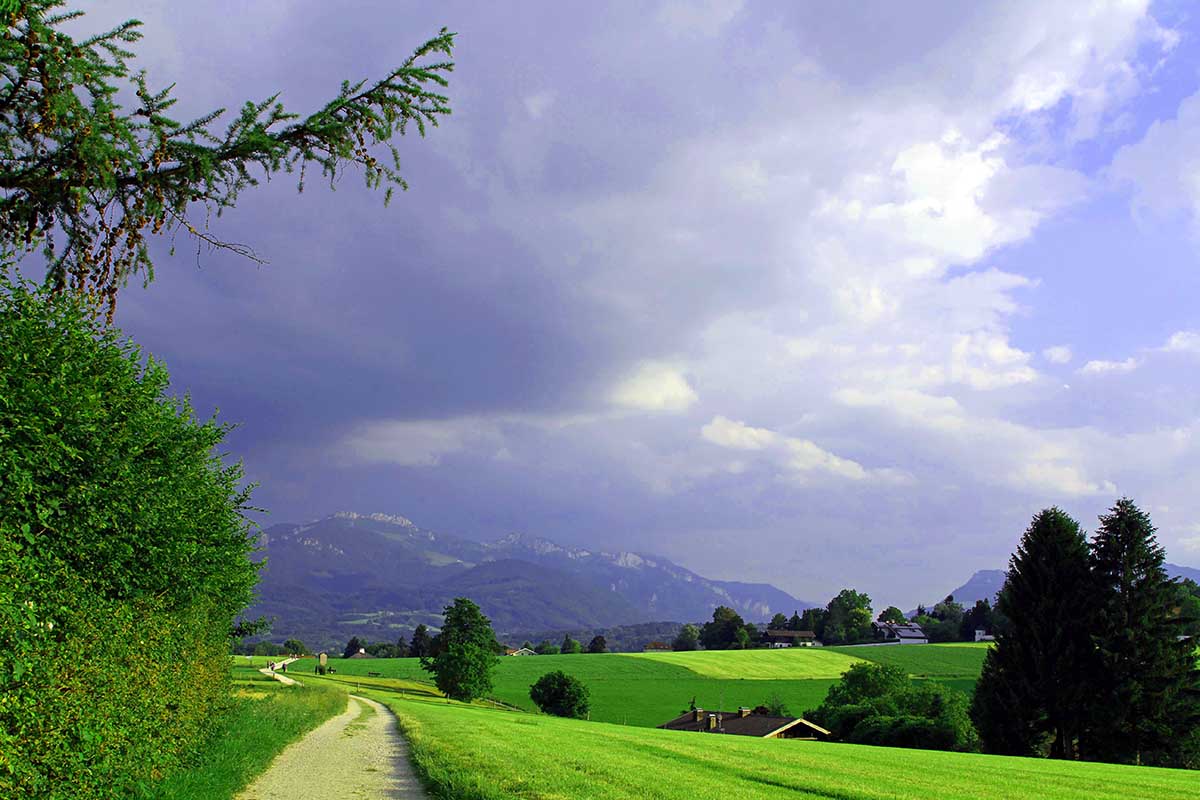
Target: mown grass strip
x=470, y=752
x=266, y=717
x=791, y=663
x=958, y=660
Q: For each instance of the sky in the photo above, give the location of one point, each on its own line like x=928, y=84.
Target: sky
x=820, y=295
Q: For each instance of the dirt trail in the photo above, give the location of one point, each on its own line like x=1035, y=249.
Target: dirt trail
x=280, y=676
x=358, y=754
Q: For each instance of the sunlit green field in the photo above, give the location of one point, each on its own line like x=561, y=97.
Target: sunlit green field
x=626, y=689
x=473, y=752
x=797, y=663
x=958, y=660
x=648, y=689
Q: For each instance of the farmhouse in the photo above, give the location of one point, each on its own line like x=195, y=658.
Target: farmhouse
x=654, y=647
x=524, y=651
x=900, y=633
x=362, y=653
x=746, y=722
x=781, y=638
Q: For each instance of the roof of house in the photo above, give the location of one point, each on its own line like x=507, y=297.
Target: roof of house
x=782, y=634
x=760, y=725
x=524, y=651
x=905, y=630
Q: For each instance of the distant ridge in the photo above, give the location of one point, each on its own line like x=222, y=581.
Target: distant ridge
x=377, y=576
x=986, y=583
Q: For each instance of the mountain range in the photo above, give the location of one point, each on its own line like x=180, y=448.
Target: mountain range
x=378, y=576
x=985, y=584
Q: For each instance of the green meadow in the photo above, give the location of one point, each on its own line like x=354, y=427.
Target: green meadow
x=950, y=660
x=466, y=751
x=647, y=689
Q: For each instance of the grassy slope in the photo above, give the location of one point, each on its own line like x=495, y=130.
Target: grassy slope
x=647, y=689
x=926, y=660
x=477, y=753
x=799, y=663
x=631, y=688
x=266, y=716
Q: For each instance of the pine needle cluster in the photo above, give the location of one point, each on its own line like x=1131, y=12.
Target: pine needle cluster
x=85, y=179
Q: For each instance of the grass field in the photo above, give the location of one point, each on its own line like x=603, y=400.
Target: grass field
x=800, y=663
x=483, y=754
x=265, y=717
x=963, y=660
x=647, y=689
x=625, y=689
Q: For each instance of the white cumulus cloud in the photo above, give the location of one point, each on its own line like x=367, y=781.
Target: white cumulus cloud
x=654, y=386
x=1058, y=354
x=1102, y=367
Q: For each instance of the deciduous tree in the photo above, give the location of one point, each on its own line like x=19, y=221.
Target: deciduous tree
x=463, y=668
x=560, y=694
x=688, y=638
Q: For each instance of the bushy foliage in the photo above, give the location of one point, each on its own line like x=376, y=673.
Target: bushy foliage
x=462, y=668
x=687, y=639
x=879, y=704
x=123, y=557
x=560, y=694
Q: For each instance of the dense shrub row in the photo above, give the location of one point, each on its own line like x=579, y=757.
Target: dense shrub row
x=123, y=558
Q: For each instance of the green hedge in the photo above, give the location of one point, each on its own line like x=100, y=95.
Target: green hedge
x=124, y=558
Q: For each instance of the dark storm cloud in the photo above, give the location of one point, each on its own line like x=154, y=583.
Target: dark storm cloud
x=694, y=278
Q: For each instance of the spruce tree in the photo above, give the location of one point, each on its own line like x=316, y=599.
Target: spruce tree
x=1031, y=696
x=1145, y=693
x=85, y=179
x=422, y=642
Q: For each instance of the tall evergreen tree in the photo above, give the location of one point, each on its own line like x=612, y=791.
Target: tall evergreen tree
x=1031, y=698
x=353, y=646
x=1146, y=692
x=422, y=642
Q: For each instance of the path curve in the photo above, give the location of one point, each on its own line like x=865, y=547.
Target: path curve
x=280, y=676
x=359, y=754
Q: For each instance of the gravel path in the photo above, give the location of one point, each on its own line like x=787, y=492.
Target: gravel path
x=359, y=754
x=280, y=676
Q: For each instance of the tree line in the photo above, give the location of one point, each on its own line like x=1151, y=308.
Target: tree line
x=1094, y=661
